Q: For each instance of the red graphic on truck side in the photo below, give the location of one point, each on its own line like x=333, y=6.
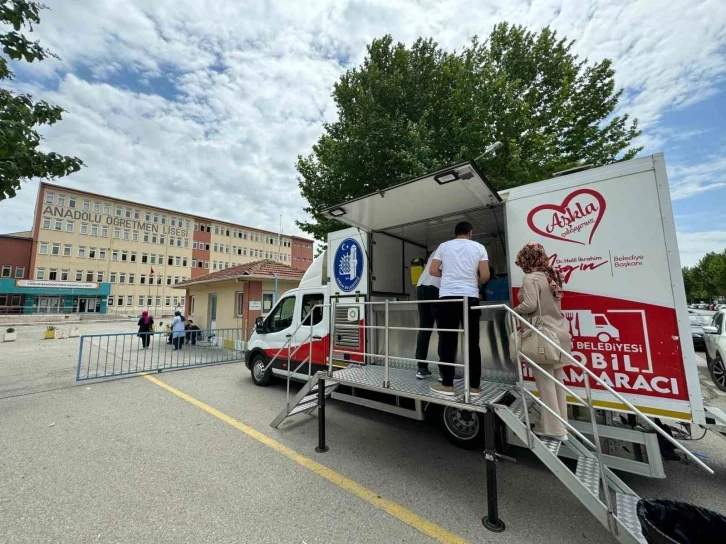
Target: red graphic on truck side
x=575, y=220
x=632, y=346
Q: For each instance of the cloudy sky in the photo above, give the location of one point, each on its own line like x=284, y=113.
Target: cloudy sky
x=203, y=106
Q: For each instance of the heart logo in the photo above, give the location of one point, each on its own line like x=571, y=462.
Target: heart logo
x=575, y=220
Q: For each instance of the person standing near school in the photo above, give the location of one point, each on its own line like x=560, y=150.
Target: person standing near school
x=177, y=330
x=463, y=265
x=427, y=288
x=146, y=324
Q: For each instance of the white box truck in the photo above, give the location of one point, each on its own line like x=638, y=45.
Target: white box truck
x=609, y=230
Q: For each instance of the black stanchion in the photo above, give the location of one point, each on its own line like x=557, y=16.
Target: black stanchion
x=322, y=448
x=491, y=521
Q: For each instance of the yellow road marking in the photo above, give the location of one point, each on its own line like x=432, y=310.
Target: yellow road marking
x=396, y=510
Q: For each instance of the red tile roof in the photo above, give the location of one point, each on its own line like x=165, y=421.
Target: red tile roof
x=265, y=269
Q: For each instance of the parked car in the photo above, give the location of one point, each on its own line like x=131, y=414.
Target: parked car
x=715, y=340
x=697, y=324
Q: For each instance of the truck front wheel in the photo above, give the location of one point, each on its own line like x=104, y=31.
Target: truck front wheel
x=260, y=376
x=718, y=372
x=464, y=428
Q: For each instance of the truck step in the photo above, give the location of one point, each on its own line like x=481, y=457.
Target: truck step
x=626, y=506
x=304, y=407
x=551, y=444
x=588, y=472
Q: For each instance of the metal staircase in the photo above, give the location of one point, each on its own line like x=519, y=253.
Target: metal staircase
x=306, y=401
x=586, y=483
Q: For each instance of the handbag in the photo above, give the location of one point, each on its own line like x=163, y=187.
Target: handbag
x=532, y=345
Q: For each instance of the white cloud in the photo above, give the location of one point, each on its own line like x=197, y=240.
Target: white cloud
x=687, y=181
x=247, y=85
x=694, y=245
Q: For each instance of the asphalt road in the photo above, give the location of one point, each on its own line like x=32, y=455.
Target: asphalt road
x=129, y=461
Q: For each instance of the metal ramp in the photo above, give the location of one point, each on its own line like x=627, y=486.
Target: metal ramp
x=306, y=401
x=586, y=483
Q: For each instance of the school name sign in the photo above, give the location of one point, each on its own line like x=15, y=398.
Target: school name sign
x=135, y=224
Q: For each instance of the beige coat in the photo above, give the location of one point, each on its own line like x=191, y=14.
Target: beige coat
x=552, y=317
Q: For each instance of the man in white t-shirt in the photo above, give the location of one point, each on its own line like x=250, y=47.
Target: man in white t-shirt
x=427, y=288
x=462, y=264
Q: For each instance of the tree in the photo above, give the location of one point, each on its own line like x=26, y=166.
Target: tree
x=405, y=112
x=20, y=157
x=706, y=280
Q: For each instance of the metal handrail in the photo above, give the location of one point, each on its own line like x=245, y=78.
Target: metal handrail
x=589, y=374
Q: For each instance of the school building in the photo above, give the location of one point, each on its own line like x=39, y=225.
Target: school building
x=90, y=253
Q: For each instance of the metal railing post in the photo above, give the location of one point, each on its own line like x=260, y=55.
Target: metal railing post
x=598, y=450
x=465, y=338
x=310, y=355
x=386, y=381
x=520, y=376
x=332, y=336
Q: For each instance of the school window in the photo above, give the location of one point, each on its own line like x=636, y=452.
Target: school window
x=153, y=258
x=43, y=248
x=135, y=236
x=128, y=213
x=107, y=209
x=130, y=300
x=71, y=202
x=159, y=280
x=96, y=207
x=194, y=263
x=142, y=279
x=179, y=242
x=209, y=228
x=126, y=235
x=109, y=301
x=176, y=301
x=177, y=261
x=58, y=225
x=84, y=228
x=89, y=275
x=79, y=275
x=184, y=262
x=163, y=219
x=124, y=256
x=120, y=300
x=117, y=233
x=55, y=250
x=206, y=246
x=40, y=273
x=147, y=217
x=153, y=238
x=146, y=237
x=86, y=205
x=144, y=257
x=102, y=254
x=171, y=241
x=122, y=277
x=168, y=280
x=7, y=270
x=53, y=274
x=99, y=277
x=114, y=254
x=104, y=232
x=112, y=277
x=132, y=278
x=67, y=250
x=82, y=252
x=239, y=303
x=69, y=226
x=137, y=214
x=244, y=251
x=162, y=239
x=170, y=261
x=46, y=223
x=141, y=300
x=206, y=265
x=214, y=265
x=94, y=230
x=19, y=272
x=119, y=211
x=158, y=301
x=187, y=224
x=133, y=256
x=191, y=305
x=49, y=198
x=156, y=218
x=148, y=301
x=216, y=229
x=173, y=222
x=167, y=300
x=200, y=264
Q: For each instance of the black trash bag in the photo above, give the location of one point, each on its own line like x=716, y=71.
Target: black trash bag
x=666, y=521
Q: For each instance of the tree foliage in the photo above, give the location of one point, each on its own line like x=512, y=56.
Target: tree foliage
x=408, y=111
x=706, y=280
x=20, y=117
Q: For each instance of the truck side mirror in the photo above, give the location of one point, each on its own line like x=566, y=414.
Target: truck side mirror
x=259, y=325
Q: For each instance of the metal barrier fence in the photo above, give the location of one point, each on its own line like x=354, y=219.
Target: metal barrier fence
x=124, y=354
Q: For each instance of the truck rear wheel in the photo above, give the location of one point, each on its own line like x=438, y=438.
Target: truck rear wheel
x=463, y=428
x=260, y=376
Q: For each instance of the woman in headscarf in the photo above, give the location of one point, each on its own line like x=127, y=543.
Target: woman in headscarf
x=177, y=330
x=145, y=326
x=540, y=294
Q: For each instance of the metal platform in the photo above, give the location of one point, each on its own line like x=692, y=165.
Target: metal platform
x=403, y=382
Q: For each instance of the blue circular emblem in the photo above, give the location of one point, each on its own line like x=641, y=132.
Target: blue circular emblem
x=348, y=265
